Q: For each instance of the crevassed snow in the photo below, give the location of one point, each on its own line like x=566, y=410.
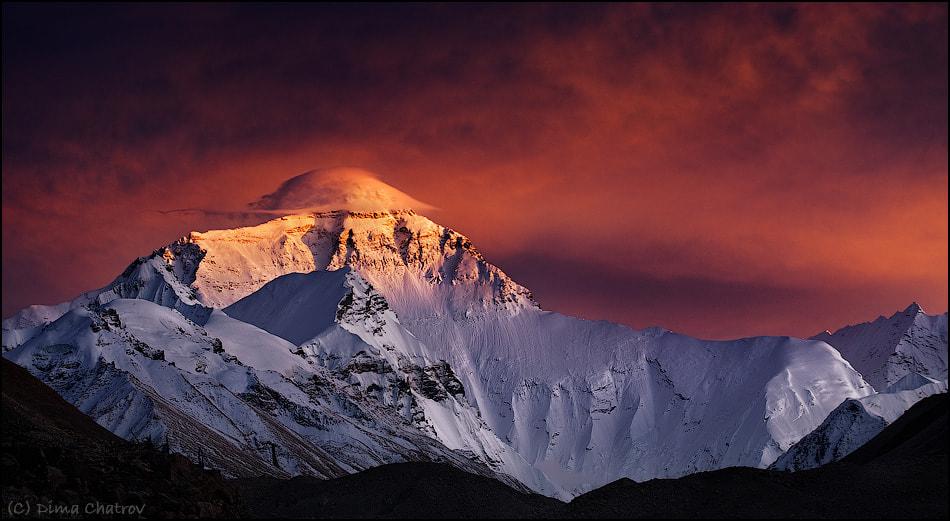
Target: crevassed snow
x=890, y=406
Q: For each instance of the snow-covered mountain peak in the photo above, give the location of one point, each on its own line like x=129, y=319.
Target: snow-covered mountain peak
x=423, y=268
x=888, y=348
x=343, y=188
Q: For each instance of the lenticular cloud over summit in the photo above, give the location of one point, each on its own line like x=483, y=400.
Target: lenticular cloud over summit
x=341, y=188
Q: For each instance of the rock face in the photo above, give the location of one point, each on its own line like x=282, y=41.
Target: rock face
x=350, y=339
x=55, y=455
x=847, y=427
x=888, y=349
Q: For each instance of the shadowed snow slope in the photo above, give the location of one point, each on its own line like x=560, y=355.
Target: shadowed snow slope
x=296, y=306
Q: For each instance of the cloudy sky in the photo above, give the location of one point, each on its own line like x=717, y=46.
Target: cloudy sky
x=721, y=171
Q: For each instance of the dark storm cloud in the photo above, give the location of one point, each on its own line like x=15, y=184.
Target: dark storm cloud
x=744, y=150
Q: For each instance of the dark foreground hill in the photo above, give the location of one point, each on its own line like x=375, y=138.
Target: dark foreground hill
x=57, y=461
x=403, y=490
x=918, y=433
x=52, y=454
x=900, y=473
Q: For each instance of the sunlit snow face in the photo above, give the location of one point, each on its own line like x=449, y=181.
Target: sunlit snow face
x=336, y=189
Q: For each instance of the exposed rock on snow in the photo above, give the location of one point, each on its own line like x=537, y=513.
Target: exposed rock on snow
x=228, y=393
x=887, y=349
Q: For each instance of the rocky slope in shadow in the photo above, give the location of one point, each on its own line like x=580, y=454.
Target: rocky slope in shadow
x=397, y=491
x=53, y=455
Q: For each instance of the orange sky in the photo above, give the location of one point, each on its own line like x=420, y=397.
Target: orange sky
x=720, y=171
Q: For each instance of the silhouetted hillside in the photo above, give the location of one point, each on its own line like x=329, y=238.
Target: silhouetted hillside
x=902, y=472
x=919, y=432
x=403, y=490
x=55, y=455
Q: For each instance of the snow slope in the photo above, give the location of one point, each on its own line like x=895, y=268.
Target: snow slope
x=887, y=349
x=162, y=277
x=598, y=402
x=225, y=394
x=584, y=402
x=362, y=343
x=296, y=306
x=590, y=402
x=854, y=423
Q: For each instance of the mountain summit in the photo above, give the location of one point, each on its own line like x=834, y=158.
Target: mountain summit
x=422, y=267
x=890, y=348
